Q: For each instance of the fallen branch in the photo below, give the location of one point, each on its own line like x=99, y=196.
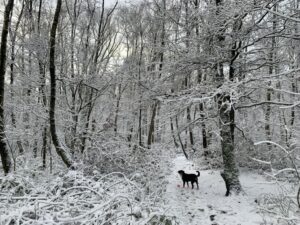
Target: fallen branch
x=23, y=198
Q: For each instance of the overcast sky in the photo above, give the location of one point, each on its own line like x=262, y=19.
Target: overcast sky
x=112, y=2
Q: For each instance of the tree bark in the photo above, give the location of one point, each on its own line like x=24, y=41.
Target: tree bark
x=60, y=151
x=5, y=158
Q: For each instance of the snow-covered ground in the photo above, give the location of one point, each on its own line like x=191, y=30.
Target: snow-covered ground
x=208, y=205
x=73, y=197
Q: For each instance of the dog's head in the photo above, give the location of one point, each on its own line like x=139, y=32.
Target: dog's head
x=181, y=172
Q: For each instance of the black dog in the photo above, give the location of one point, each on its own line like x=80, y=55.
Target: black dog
x=186, y=178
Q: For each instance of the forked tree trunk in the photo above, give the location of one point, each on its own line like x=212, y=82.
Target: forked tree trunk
x=60, y=151
x=5, y=158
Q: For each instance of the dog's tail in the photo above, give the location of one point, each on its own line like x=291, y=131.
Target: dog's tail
x=198, y=173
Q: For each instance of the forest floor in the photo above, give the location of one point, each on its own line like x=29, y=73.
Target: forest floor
x=263, y=201
x=72, y=197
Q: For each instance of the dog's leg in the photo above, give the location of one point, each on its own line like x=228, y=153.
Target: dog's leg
x=197, y=184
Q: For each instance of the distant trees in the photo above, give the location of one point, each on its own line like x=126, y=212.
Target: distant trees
x=37, y=94
x=230, y=52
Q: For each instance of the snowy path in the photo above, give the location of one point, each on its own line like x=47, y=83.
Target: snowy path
x=208, y=205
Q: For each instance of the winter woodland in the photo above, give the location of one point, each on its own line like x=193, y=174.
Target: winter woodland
x=102, y=102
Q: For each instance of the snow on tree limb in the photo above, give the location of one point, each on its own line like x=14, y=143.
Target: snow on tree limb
x=273, y=143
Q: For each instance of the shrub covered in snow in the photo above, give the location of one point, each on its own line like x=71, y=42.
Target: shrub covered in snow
x=130, y=193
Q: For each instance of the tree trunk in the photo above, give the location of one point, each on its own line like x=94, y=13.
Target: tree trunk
x=230, y=173
x=200, y=79
x=140, y=93
x=272, y=59
x=140, y=125
x=226, y=114
x=204, y=135
x=162, y=37
x=296, y=62
x=179, y=138
x=227, y=118
x=74, y=113
x=12, y=75
x=189, y=120
x=152, y=125
x=60, y=151
x=5, y=158
x=44, y=147
x=87, y=122
x=119, y=94
x=42, y=88
x=267, y=118
x=173, y=133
